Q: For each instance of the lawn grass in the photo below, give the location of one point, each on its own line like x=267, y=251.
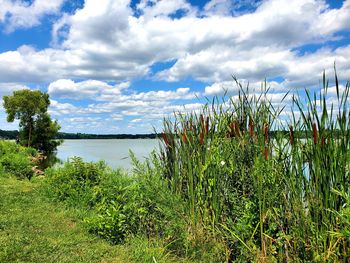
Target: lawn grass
x=33, y=229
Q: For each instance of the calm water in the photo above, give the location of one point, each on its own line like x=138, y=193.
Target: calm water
x=114, y=152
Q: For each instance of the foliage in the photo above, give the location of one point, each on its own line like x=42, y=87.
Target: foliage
x=36, y=127
x=269, y=197
x=123, y=206
x=17, y=160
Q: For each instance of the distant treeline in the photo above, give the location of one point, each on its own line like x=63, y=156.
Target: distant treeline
x=12, y=135
x=64, y=135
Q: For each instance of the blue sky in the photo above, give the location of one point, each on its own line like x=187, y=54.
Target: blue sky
x=120, y=66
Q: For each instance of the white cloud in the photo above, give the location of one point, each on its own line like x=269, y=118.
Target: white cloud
x=88, y=89
x=22, y=14
x=8, y=88
x=106, y=41
x=100, y=49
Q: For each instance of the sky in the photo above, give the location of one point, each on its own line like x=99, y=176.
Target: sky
x=121, y=66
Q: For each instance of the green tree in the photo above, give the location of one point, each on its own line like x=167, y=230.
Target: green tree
x=36, y=129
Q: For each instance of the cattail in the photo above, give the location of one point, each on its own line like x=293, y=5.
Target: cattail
x=314, y=129
x=165, y=138
x=266, y=153
x=207, y=125
x=184, y=137
x=251, y=127
x=237, y=129
x=266, y=133
x=232, y=126
x=323, y=141
x=291, y=135
x=201, y=138
x=202, y=121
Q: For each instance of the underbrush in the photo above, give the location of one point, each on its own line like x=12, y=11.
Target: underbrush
x=16, y=160
x=124, y=208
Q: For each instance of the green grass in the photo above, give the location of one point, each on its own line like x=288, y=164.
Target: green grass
x=32, y=229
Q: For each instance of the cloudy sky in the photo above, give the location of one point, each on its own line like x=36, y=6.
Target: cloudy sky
x=119, y=66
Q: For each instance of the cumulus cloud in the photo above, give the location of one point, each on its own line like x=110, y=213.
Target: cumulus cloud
x=8, y=88
x=100, y=49
x=107, y=41
x=23, y=14
x=88, y=89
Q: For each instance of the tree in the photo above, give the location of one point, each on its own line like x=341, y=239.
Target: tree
x=36, y=129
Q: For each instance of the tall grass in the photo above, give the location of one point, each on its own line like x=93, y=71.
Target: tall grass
x=268, y=184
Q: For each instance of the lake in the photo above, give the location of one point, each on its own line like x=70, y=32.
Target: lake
x=115, y=152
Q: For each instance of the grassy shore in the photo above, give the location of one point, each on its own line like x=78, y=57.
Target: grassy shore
x=33, y=229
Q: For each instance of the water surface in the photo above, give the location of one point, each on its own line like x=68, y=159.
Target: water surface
x=115, y=152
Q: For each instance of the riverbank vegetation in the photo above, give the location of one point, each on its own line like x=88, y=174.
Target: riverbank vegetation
x=242, y=180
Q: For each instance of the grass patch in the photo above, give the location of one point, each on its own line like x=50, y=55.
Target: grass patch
x=32, y=229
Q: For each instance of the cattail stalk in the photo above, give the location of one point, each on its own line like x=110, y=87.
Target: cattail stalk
x=314, y=130
x=291, y=135
x=232, y=126
x=251, y=127
x=184, y=137
x=237, y=129
x=165, y=138
x=201, y=138
x=207, y=125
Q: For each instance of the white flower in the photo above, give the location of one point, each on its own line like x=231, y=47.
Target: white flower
x=222, y=163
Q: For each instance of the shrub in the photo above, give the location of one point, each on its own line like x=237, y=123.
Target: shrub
x=17, y=160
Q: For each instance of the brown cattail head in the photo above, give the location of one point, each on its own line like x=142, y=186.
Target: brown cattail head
x=251, y=126
x=184, y=137
x=291, y=135
x=207, y=125
x=266, y=133
x=323, y=141
x=314, y=130
x=266, y=153
x=232, y=126
x=165, y=138
x=201, y=138
x=202, y=121
x=237, y=129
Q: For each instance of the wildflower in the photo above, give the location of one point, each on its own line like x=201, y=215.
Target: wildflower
x=222, y=163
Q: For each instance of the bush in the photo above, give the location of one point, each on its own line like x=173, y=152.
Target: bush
x=17, y=160
x=75, y=182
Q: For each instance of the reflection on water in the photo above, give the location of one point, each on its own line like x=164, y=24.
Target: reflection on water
x=115, y=152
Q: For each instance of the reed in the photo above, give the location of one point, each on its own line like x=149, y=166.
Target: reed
x=267, y=187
